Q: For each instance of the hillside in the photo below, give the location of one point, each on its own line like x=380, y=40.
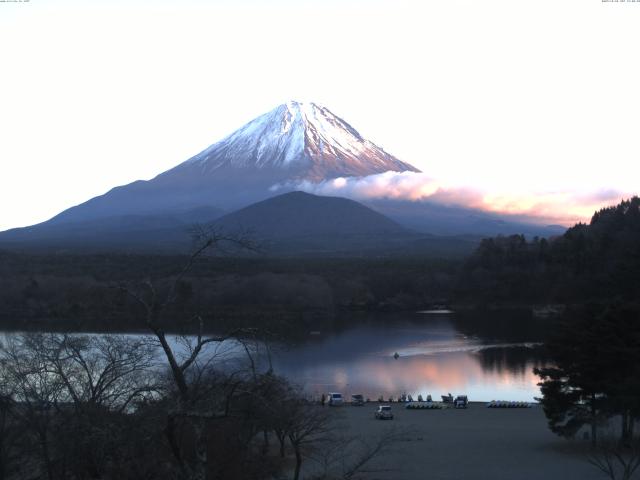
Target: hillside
x=299, y=223
x=134, y=233
x=599, y=260
x=299, y=214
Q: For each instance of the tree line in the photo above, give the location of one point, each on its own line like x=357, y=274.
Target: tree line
x=75, y=292
x=595, y=261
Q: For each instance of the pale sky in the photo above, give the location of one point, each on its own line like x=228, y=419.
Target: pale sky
x=513, y=98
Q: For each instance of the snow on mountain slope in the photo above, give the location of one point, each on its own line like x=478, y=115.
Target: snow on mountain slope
x=291, y=143
x=303, y=140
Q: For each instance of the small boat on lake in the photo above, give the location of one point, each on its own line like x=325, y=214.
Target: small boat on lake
x=437, y=310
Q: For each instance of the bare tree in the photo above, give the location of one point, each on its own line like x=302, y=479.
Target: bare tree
x=617, y=460
x=70, y=393
x=108, y=371
x=10, y=433
x=186, y=370
x=308, y=424
x=348, y=457
x=36, y=393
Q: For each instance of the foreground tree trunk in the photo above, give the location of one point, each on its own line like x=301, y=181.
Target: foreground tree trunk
x=199, y=427
x=627, y=427
x=594, y=421
x=296, y=474
x=265, y=444
x=282, y=438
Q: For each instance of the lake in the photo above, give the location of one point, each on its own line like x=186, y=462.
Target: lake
x=435, y=356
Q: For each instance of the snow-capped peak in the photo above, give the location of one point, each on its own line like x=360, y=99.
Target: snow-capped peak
x=302, y=138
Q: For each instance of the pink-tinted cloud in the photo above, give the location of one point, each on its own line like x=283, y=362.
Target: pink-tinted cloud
x=563, y=207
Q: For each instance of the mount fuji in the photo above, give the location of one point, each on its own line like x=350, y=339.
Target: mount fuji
x=272, y=154
x=293, y=142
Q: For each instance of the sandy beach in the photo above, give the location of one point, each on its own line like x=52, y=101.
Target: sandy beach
x=473, y=443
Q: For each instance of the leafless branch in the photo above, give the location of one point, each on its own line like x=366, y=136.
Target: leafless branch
x=616, y=460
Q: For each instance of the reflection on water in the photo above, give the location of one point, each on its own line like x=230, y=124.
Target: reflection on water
x=434, y=358
x=515, y=359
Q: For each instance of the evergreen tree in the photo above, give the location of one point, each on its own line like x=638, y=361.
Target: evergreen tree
x=597, y=370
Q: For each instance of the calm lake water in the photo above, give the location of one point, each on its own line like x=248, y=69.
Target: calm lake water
x=434, y=357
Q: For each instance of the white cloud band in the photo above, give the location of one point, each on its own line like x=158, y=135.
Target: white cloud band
x=564, y=207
